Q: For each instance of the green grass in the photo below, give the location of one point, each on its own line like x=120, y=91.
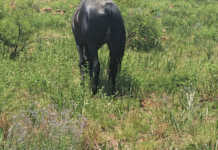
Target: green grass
x=166, y=90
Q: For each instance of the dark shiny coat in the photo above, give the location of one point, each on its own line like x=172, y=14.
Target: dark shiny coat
x=95, y=23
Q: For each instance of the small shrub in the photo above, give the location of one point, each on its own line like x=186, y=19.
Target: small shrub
x=16, y=26
x=143, y=30
x=1, y=10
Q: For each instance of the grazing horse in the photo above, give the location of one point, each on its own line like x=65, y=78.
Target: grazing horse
x=95, y=23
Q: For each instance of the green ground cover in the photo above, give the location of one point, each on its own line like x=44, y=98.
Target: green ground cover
x=167, y=90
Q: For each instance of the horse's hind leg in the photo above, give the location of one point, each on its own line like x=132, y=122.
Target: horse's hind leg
x=94, y=67
x=83, y=60
x=116, y=54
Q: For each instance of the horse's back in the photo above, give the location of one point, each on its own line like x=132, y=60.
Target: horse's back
x=97, y=19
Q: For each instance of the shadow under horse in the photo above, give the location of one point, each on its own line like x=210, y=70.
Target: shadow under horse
x=95, y=23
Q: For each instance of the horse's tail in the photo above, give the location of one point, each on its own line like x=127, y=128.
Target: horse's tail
x=117, y=37
x=75, y=18
x=117, y=28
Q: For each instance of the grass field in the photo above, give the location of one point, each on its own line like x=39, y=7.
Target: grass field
x=167, y=90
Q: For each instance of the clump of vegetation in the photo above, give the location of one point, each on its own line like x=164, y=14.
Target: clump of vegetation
x=17, y=26
x=143, y=30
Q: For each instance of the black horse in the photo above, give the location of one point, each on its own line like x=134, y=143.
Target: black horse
x=95, y=23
